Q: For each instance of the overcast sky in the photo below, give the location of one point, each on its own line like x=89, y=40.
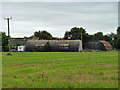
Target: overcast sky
x=57, y=17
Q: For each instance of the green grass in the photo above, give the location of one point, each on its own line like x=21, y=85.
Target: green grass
x=60, y=70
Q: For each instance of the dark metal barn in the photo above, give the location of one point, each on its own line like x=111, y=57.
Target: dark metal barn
x=53, y=45
x=99, y=45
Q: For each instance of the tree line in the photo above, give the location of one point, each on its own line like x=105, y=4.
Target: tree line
x=75, y=33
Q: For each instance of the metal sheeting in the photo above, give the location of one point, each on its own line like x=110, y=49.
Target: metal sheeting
x=99, y=45
x=107, y=45
x=53, y=45
x=17, y=41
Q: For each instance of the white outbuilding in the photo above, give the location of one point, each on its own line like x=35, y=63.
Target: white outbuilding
x=21, y=48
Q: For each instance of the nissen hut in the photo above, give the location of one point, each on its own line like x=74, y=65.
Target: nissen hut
x=53, y=45
x=99, y=45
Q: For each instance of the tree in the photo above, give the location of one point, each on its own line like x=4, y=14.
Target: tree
x=43, y=35
x=113, y=37
x=98, y=36
x=75, y=34
x=118, y=30
x=56, y=38
x=107, y=38
x=4, y=41
x=117, y=43
x=117, y=39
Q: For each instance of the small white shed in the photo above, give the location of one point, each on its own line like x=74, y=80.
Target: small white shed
x=21, y=48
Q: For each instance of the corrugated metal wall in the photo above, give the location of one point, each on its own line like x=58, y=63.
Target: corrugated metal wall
x=99, y=45
x=53, y=45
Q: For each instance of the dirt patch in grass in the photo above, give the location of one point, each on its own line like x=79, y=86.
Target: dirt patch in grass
x=85, y=77
x=48, y=64
x=107, y=65
x=113, y=55
x=104, y=65
x=82, y=78
x=81, y=66
x=100, y=64
x=115, y=68
x=26, y=65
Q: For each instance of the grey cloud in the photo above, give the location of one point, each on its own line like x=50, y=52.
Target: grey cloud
x=60, y=0
x=59, y=17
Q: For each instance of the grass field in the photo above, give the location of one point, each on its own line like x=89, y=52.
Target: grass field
x=60, y=70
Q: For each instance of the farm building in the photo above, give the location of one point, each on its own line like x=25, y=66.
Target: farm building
x=17, y=41
x=21, y=48
x=13, y=48
x=53, y=45
x=99, y=45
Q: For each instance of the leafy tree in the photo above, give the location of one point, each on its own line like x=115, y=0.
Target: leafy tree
x=107, y=38
x=117, y=39
x=75, y=34
x=98, y=36
x=118, y=43
x=43, y=35
x=118, y=30
x=56, y=38
x=4, y=39
x=112, y=36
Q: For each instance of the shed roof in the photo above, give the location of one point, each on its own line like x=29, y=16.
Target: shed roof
x=54, y=40
x=106, y=44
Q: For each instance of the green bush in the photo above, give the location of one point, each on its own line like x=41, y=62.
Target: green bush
x=5, y=48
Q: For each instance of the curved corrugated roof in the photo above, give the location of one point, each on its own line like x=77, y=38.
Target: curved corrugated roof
x=107, y=45
x=55, y=40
